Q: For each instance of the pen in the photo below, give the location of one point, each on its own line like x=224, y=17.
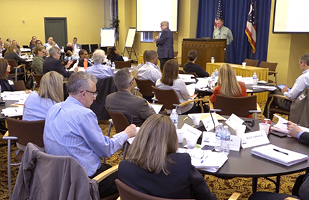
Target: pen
x=131, y=120
x=185, y=118
x=281, y=151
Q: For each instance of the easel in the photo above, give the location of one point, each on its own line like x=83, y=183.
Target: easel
x=129, y=43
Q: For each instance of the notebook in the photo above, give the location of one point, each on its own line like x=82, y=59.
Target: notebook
x=279, y=155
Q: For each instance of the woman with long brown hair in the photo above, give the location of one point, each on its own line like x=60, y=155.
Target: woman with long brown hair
x=171, y=81
x=5, y=79
x=228, y=84
x=153, y=166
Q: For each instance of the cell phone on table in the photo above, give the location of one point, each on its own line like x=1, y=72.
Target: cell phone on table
x=278, y=134
x=282, y=86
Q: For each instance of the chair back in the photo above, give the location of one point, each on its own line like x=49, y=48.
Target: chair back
x=27, y=131
x=128, y=193
x=250, y=62
x=119, y=119
x=37, y=78
x=13, y=64
x=51, y=177
x=19, y=85
x=166, y=97
x=122, y=64
x=240, y=106
x=145, y=87
x=105, y=87
x=270, y=66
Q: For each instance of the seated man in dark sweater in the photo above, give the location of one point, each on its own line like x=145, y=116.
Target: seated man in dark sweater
x=191, y=67
x=53, y=63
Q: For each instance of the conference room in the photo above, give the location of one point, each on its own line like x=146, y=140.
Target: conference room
x=194, y=19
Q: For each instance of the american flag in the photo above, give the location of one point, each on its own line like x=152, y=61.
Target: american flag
x=251, y=25
x=219, y=14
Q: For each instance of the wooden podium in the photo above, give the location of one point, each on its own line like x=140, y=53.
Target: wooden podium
x=206, y=48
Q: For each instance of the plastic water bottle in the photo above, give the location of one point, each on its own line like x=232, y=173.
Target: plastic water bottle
x=255, y=79
x=225, y=140
x=174, y=117
x=218, y=137
x=212, y=59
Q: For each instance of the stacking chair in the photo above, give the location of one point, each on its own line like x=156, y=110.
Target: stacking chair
x=120, y=122
x=128, y=193
x=144, y=87
x=23, y=132
x=37, y=79
x=122, y=64
x=43, y=176
x=14, y=69
x=170, y=100
x=20, y=85
x=250, y=62
x=240, y=106
x=276, y=109
x=272, y=69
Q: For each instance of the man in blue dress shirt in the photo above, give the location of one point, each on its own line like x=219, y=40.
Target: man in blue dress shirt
x=98, y=70
x=71, y=129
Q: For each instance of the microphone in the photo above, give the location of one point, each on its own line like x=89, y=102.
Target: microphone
x=213, y=121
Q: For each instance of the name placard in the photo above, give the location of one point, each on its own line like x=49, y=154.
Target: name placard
x=252, y=139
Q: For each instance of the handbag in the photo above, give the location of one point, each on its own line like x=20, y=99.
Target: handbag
x=29, y=82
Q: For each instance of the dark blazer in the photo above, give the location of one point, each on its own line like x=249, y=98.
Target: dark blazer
x=117, y=58
x=192, y=67
x=165, y=44
x=5, y=85
x=304, y=138
x=130, y=105
x=183, y=182
x=14, y=56
x=105, y=87
x=52, y=64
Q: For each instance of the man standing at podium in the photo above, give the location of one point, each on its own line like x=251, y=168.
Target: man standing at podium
x=165, y=44
x=223, y=32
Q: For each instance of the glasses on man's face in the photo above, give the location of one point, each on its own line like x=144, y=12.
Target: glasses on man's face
x=95, y=94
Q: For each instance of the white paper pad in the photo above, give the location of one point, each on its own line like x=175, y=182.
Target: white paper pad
x=13, y=111
x=130, y=140
x=269, y=88
x=191, y=89
x=279, y=155
x=205, y=159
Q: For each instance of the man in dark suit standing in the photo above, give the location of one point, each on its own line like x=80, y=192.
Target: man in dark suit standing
x=165, y=44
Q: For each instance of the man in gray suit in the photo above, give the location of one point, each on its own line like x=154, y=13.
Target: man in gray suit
x=135, y=108
x=75, y=44
x=165, y=44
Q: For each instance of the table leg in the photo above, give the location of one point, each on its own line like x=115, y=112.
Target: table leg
x=254, y=184
x=278, y=184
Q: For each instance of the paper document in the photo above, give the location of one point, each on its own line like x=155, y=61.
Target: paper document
x=269, y=88
x=205, y=159
x=156, y=107
x=279, y=155
x=191, y=89
x=13, y=111
x=205, y=115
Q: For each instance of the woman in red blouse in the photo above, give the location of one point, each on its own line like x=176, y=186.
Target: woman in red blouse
x=228, y=84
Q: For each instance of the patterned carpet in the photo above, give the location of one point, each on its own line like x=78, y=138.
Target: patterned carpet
x=220, y=187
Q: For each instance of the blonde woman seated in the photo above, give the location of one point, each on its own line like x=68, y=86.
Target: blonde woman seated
x=50, y=92
x=153, y=167
x=171, y=81
x=228, y=84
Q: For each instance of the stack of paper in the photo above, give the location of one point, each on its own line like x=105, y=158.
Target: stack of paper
x=205, y=159
x=269, y=88
x=13, y=111
x=279, y=155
